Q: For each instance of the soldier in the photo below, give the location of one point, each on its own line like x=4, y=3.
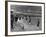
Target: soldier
x=29, y=19
x=38, y=23
x=12, y=19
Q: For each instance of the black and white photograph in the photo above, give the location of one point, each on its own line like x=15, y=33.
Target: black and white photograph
x=25, y=18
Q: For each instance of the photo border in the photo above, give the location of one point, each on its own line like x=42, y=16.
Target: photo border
x=6, y=18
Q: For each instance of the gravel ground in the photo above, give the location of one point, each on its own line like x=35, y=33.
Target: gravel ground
x=24, y=26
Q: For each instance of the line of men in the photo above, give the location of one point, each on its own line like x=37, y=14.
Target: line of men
x=27, y=18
